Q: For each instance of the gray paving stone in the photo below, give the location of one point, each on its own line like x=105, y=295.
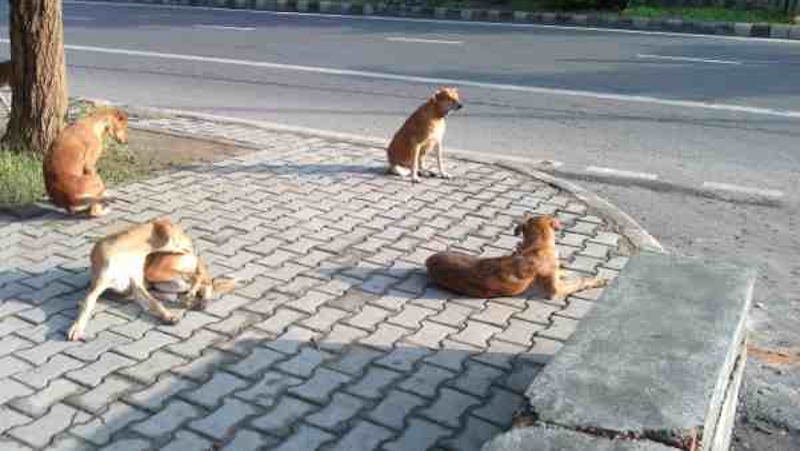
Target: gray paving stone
x=419, y=435
x=341, y=337
x=147, y=371
x=195, y=345
x=477, y=378
x=202, y=367
x=174, y=414
x=129, y=445
x=449, y=407
x=283, y=417
x=306, y=438
x=355, y=360
x=475, y=433
x=247, y=440
x=185, y=440
x=40, y=432
x=93, y=374
x=320, y=386
x=188, y=324
x=40, y=376
x=395, y=408
x=11, y=365
x=364, y=435
x=324, y=319
x=223, y=419
x=38, y=403
x=269, y=388
x=259, y=360
x=292, y=340
x=92, y=350
x=11, y=344
x=403, y=357
x=10, y=389
x=342, y=408
x=426, y=380
x=280, y=320
x=476, y=333
x=538, y=312
x=144, y=347
x=41, y=353
x=212, y=392
x=10, y=419
x=155, y=396
x=304, y=363
x=96, y=399
x=100, y=429
x=431, y=334
x=374, y=383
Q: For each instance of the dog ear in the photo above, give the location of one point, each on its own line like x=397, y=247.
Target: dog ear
x=161, y=231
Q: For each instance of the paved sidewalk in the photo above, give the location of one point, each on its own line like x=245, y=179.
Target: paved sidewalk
x=336, y=342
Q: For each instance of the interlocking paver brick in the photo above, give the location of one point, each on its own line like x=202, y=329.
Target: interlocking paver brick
x=320, y=386
x=92, y=350
x=40, y=432
x=292, y=340
x=374, y=383
x=324, y=319
x=431, y=334
x=185, y=440
x=543, y=349
x=147, y=371
x=474, y=434
x=194, y=346
x=41, y=353
x=170, y=418
x=99, y=430
x=38, y=403
x=395, y=407
x=269, y=388
x=306, y=438
x=538, y=312
x=448, y=408
x=11, y=344
x=342, y=408
x=100, y=396
x=420, y=434
x=10, y=389
x=285, y=414
x=234, y=324
x=247, y=440
x=40, y=376
x=364, y=435
x=368, y=317
x=10, y=419
x=200, y=368
x=11, y=365
x=188, y=324
x=259, y=360
x=500, y=408
x=129, y=445
x=519, y=332
x=310, y=302
x=135, y=329
x=355, y=360
x=426, y=380
x=218, y=423
x=93, y=374
x=476, y=333
x=495, y=313
x=220, y=385
x=403, y=357
x=304, y=363
x=477, y=378
x=156, y=395
x=280, y=320
x=560, y=329
x=142, y=348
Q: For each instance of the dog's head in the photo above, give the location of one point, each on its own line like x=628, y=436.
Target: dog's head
x=446, y=100
x=169, y=237
x=534, y=228
x=117, y=125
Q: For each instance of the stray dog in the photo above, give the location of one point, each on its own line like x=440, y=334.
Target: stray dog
x=70, y=167
x=422, y=131
x=535, y=260
x=187, y=274
x=118, y=263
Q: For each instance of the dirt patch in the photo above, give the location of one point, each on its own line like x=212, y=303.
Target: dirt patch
x=774, y=356
x=165, y=150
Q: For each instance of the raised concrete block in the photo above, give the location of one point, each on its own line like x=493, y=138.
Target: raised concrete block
x=552, y=439
x=779, y=31
x=742, y=29
x=794, y=32
x=657, y=354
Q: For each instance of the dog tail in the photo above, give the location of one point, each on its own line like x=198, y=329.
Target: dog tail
x=223, y=285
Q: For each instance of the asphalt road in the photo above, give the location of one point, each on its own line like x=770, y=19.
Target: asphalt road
x=688, y=109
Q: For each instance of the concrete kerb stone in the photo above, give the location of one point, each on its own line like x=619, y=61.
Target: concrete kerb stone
x=635, y=234
x=754, y=30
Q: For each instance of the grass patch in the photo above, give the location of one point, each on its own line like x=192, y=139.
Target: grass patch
x=21, y=179
x=708, y=13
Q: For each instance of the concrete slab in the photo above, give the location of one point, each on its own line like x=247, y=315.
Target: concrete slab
x=655, y=356
x=551, y=439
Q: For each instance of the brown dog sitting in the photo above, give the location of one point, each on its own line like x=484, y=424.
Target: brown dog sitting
x=422, y=131
x=70, y=167
x=534, y=261
x=118, y=264
x=173, y=274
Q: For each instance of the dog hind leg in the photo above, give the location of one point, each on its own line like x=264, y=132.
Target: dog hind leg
x=99, y=285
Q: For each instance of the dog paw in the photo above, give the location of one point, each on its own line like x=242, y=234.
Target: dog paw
x=415, y=179
x=170, y=318
x=446, y=175
x=75, y=333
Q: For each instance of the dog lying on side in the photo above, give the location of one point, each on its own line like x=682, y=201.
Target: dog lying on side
x=534, y=261
x=187, y=274
x=422, y=131
x=118, y=263
x=70, y=167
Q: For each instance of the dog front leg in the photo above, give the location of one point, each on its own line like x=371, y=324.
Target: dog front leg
x=440, y=160
x=415, y=165
x=87, y=307
x=153, y=305
x=554, y=286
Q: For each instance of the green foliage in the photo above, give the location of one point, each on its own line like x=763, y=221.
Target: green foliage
x=21, y=180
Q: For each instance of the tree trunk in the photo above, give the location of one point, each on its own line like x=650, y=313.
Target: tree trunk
x=38, y=80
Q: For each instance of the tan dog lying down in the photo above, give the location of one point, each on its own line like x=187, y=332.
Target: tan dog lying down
x=534, y=261
x=422, y=131
x=118, y=263
x=184, y=274
x=70, y=166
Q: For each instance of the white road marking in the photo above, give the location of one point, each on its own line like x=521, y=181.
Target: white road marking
x=423, y=41
x=445, y=22
x=445, y=81
x=743, y=189
x=621, y=173
x=225, y=27
x=687, y=59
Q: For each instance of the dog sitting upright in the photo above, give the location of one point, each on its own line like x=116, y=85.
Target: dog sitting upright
x=118, y=263
x=70, y=166
x=422, y=131
x=534, y=261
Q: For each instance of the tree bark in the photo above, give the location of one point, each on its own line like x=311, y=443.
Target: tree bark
x=39, y=102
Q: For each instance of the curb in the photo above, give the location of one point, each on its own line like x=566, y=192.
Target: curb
x=590, y=20
x=634, y=233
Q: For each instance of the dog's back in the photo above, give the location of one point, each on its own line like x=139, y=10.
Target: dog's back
x=421, y=126
x=478, y=277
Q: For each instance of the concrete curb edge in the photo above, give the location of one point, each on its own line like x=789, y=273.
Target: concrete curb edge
x=591, y=20
x=634, y=233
